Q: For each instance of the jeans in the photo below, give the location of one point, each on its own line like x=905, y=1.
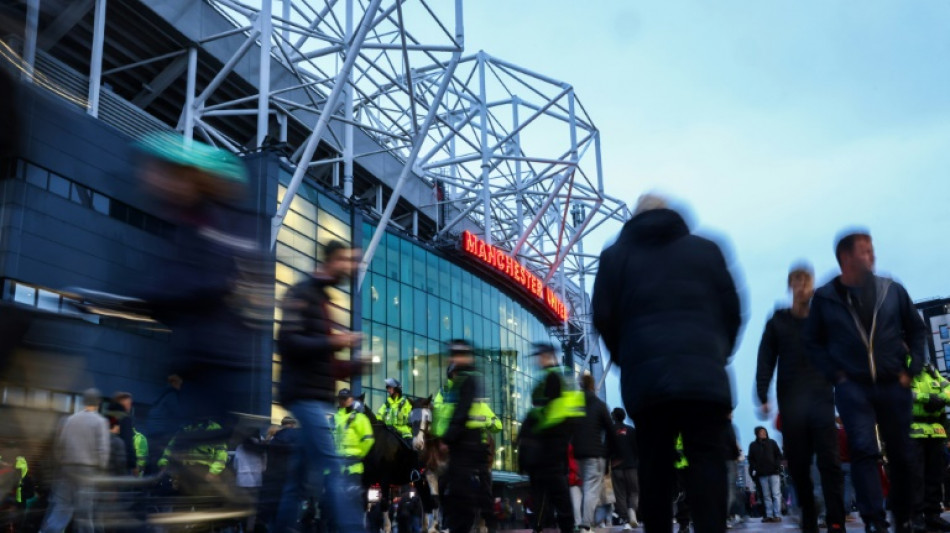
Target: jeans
x=577, y=503
x=887, y=407
x=71, y=496
x=592, y=471
x=732, y=488
x=703, y=426
x=771, y=494
x=316, y=459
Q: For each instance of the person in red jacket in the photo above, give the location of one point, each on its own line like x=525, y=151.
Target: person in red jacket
x=576, y=484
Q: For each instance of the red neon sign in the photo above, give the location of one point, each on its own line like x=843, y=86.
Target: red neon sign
x=513, y=270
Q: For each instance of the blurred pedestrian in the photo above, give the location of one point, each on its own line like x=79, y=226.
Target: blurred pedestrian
x=121, y=408
x=857, y=331
x=594, y=442
x=249, y=464
x=545, y=436
x=468, y=478
x=806, y=401
x=164, y=418
x=281, y=445
x=308, y=343
x=668, y=311
x=765, y=465
x=117, y=454
x=82, y=452
x=624, y=473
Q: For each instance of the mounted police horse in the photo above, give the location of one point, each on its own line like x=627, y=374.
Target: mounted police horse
x=391, y=462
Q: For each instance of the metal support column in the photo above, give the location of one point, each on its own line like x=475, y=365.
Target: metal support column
x=29, y=37
x=519, y=193
x=331, y=103
x=485, y=150
x=190, y=83
x=350, y=113
x=95, y=65
x=263, y=83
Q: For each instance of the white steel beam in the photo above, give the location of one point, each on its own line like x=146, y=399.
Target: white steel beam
x=95, y=64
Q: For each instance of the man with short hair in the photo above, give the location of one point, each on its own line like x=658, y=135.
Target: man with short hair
x=82, y=451
x=858, y=333
x=806, y=401
x=121, y=409
x=308, y=342
x=667, y=309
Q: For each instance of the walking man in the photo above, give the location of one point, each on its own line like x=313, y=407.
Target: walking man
x=667, y=309
x=624, y=473
x=309, y=371
x=807, y=403
x=857, y=330
x=594, y=443
x=82, y=449
x=765, y=465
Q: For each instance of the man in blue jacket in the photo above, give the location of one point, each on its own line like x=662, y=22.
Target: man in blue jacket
x=858, y=332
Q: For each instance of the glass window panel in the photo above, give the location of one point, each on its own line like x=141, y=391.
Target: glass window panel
x=445, y=281
x=298, y=223
x=436, y=366
x=445, y=319
x=59, y=185
x=339, y=296
x=467, y=320
x=419, y=266
x=48, y=301
x=406, y=261
x=393, y=304
x=366, y=296
x=393, y=356
x=432, y=274
x=466, y=290
x=285, y=274
x=477, y=328
x=379, y=351
x=455, y=277
x=39, y=399
x=378, y=263
x=36, y=175
x=406, y=311
x=434, y=318
x=477, y=288
x=61, y=402
x=486, y=300
x=24, y=294
x=419, y=316
x=340, y=316
x=336, y=226
x=306, y=209
x=14, y=396
x=393, y=255
x=420, y=367
x=458, y=331
x=378, y=294
x=406, y=362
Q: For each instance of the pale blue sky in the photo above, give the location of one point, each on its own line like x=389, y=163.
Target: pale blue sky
x=777, y=123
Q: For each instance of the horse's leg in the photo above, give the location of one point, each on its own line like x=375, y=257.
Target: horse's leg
x=433, y=479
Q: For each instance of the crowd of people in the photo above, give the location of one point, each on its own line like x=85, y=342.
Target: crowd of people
x=669, y=313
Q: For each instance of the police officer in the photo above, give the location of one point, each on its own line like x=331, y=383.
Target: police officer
x=931, y=396
x=395, y=412
x=140, y=444
x=193, y=457
x=353, y=435
x=462, y=425
x=550, y=427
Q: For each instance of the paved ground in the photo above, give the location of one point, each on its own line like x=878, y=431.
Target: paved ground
x=751, y=525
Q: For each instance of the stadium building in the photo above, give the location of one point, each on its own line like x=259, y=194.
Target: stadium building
x=469, y=182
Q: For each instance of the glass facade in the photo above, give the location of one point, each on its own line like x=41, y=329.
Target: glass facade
x=413, y=301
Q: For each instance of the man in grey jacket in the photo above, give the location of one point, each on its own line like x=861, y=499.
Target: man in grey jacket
x=82, y=450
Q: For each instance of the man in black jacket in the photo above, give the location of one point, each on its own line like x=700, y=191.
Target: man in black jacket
x=624, y=473
x=858, y=333
x=594, y=442
x=765, y=466
x=309, y=372
x=668, y=311
x=806, y=401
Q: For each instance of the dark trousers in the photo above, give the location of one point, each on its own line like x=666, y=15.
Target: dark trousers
x=626, y=491
x=888, y=405
x=704, y=427
x=928, y=476
x=463, y=494
x=549, y=491
x=807, y=437
x=681, y=498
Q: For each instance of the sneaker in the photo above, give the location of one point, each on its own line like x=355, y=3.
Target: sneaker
x=776, y=518
x=766, y=519
x=627, y=527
